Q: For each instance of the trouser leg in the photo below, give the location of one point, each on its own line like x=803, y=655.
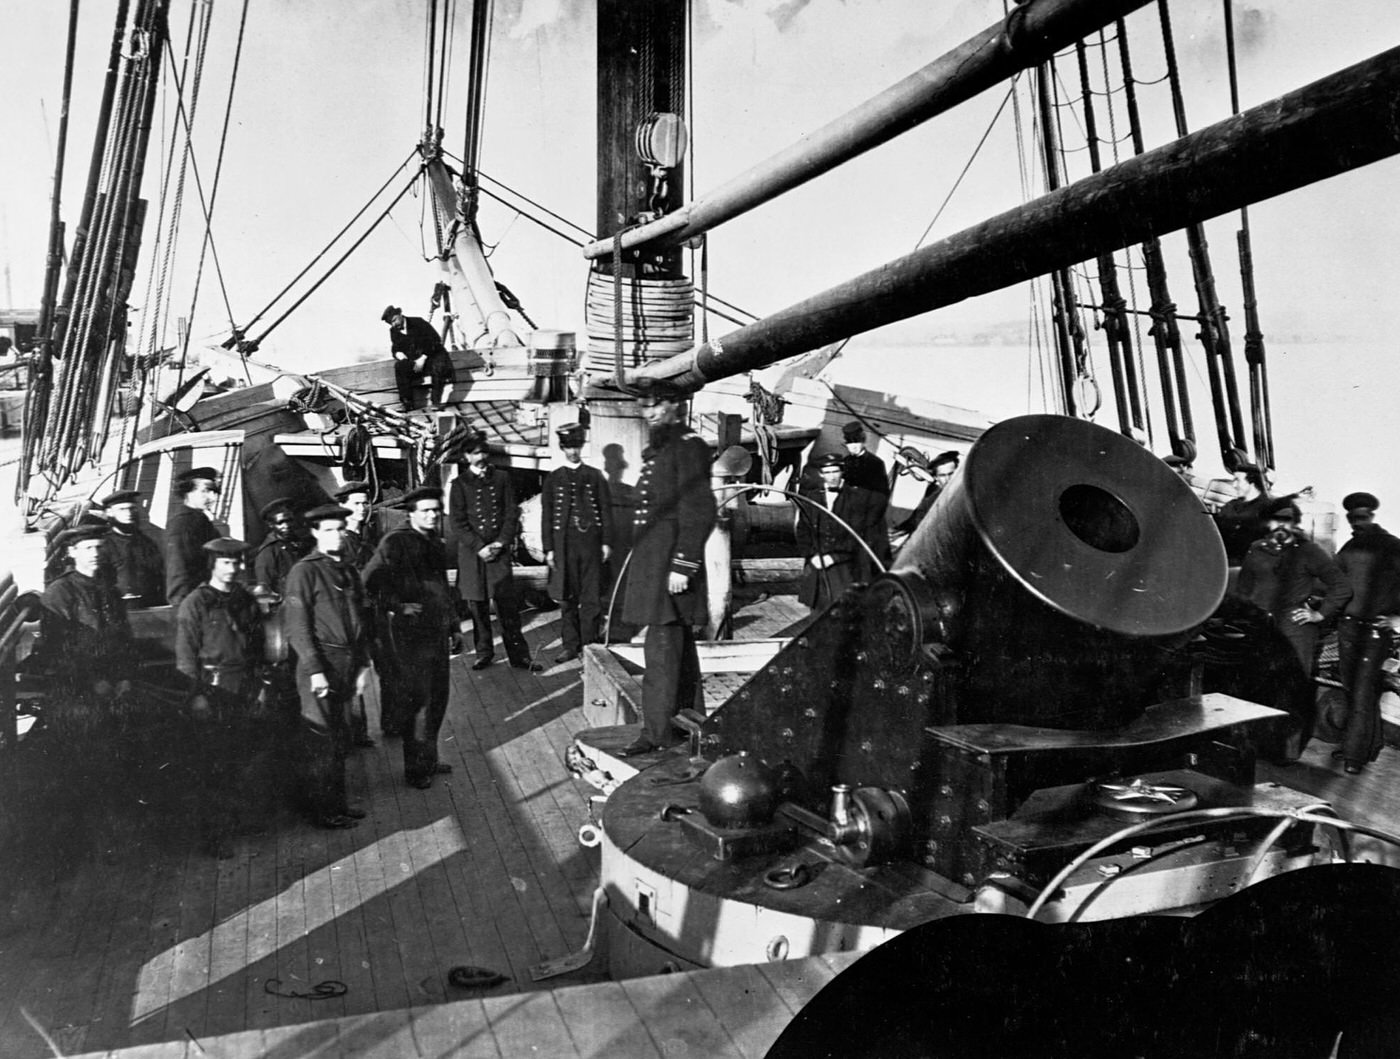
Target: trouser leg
x=508, y=611
x=480, y=611
x=588, y=590
x=404, y=381
x=322, y=772
x=1363, y=649
x=570, y=634
x=664, y=655
x=426, y=692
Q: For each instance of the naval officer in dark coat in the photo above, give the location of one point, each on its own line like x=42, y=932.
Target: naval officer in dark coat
x=417, y=350
x=134, y=560
x=408, y=580
x=1366, y=634
x=218, y=649
x=188, y=530
x=484, y=518
x=325, y=615
x=666, y=570
x=835, y=558
x=578, y=523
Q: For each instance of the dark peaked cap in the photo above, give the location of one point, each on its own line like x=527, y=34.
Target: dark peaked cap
x=1352, y=501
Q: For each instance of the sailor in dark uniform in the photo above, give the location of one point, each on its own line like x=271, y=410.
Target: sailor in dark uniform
x=484, y=518
x=577, y=521
x=1243, y=520
x=280, y=550
x=218, y=649
x=418, y=350
x=865, y=470
x=359, y=536
x=666, y=569
x=84, y=624
x=358, y=547
x=1366, y=634
x=941, y=471
x=408, y=579
x=325, y=604
x=1280, y=575
x=188, y=530
x=132, y=557
x=835, y=559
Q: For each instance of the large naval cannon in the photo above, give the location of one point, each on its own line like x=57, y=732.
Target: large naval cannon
x=950, y=738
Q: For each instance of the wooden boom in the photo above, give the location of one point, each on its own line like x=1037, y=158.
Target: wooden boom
x=1342, y=122
x=1030, y=35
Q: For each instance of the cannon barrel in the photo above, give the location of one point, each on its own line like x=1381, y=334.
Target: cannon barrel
x=1066, y=560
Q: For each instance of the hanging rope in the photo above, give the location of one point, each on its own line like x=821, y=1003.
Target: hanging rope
x=1254, y=352
x=239, y=332
x=255, y=343
x=1214, y=335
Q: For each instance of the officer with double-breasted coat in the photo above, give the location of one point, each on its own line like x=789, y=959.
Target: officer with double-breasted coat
x=666, y=570
x=484, y=518
x=577, y=521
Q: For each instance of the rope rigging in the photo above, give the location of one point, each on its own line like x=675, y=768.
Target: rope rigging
x=1214, y=334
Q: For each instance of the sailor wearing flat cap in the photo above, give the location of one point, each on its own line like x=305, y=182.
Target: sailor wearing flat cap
x=359, y=544
x=940, y=472
x=836, y=556
x=324, y=610
x=133, y=559
x=1366, y=633
x=1280, y=575
x=417, y=350
x=485, y=518
x=188, y=530
x=218, y=648
x=84, y=622
x=280, y=550
x=407, y=579
x=578, y=524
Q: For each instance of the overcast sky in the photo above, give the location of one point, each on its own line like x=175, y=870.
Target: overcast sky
x=329, y=100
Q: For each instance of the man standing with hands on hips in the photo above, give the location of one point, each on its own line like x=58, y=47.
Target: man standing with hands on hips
x=666, y=575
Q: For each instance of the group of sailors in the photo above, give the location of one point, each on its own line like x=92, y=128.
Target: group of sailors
x=276, y=642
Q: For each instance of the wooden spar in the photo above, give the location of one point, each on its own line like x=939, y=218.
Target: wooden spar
x=1030, y=35
x=464, y=262
x=1342, y=122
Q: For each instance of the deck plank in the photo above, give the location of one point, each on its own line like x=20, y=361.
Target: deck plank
x=227, y=1001
x=677, y=1017
x=382, y=952
x=603, y=1023
x=288, y=964
x=529, y=1024
x=458, y=1031
x=746, y=1005
x=796, y=981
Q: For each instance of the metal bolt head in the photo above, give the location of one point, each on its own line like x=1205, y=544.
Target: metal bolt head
x=786, y=733
x=903, y=690
x=945, y=821
x=878, y=684
x=983, y=806
x=867, y=746
x=810, y=712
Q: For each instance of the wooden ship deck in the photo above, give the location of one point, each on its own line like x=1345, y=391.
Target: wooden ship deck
x=116, y=932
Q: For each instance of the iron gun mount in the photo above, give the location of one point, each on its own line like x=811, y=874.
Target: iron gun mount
x=1011, y=693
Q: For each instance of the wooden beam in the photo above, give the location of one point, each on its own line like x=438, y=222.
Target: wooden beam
x=1334, y=125
x=1029, y=35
